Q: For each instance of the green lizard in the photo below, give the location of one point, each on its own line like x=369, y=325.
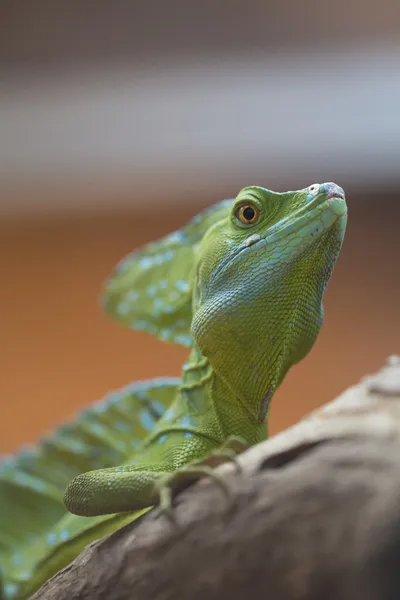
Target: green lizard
x=242, y=285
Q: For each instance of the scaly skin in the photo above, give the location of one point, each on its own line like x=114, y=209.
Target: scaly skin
x=255, y=272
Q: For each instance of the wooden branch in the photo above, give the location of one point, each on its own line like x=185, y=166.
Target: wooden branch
x=314, y=515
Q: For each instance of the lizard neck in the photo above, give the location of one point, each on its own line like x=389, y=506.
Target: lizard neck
x=214, y=405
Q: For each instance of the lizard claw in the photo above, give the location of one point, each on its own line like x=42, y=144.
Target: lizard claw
x=169, y=485
x=165, y=504
x=222, y=456
x=227, y=453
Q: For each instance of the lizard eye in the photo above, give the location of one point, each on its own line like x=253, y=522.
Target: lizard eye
x=314, y=188
x=247, y=213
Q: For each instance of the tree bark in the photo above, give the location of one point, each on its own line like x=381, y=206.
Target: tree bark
x=314, y=513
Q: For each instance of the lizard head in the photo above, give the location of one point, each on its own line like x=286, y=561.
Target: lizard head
x=260, y=276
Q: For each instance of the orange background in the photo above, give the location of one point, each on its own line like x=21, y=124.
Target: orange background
x=59, y=352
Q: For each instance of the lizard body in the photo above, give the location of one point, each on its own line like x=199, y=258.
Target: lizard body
x=242, y=285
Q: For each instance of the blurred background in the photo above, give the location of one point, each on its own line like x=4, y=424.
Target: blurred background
x=119, y=121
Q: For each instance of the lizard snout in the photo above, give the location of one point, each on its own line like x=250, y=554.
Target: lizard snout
x=332, y=190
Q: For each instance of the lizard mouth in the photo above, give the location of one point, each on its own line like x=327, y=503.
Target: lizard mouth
x=335, y=194
x=332, y=204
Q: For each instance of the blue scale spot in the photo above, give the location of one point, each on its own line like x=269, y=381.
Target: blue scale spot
x=120, y=267
x=158, y=303
x=113, y=398
x=169, y=415
x=64, y=535
x=146, y=262
x=147, y=420
x=173, y=296
x=51, y=538
x=162, y=439
x=185, y=340
x=139, y=324
x=187, y=421
x=132, y=295
x=17, y=559
x=177, y=236
x=26, y=481
x=27, y=452
x=97, y=429
x=152, y=290
x=163, y=284
x=164, y=334
x=10, y=589
x=169, y=309
x=123, y=308
x=85, y=415
x=100, y=406
x=7, y=463
x=182, y=285
x=169, y=255
x=76, y=446
x=188, y=435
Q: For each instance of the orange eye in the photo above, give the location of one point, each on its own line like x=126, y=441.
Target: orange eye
x=248, y=213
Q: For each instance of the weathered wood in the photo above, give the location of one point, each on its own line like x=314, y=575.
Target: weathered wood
x=314, y=514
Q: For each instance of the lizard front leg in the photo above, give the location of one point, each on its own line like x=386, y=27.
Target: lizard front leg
x=114, y=490
x=122, y=489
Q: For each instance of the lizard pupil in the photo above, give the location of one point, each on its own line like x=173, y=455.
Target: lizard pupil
x=249, y=213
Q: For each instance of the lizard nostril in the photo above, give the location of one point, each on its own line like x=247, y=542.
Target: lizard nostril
x=333, y=191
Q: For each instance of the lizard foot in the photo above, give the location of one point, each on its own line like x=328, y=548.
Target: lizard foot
x=228, y=452
x=172, y=483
